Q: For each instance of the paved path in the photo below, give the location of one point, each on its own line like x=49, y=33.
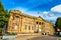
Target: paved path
x=45, y=38
x=36, y=38
x=23, y=38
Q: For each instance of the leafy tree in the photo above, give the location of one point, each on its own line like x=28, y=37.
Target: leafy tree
x=1, y=7
x=4, y=16
x=58, y=23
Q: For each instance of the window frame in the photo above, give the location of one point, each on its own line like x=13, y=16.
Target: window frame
x=25, y=27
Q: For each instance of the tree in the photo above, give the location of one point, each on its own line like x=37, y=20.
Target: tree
x=1, y=7
x=4, y=16
x=58, y=23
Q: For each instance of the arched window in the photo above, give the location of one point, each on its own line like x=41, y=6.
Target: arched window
x=16, y=17
x=15, y=27
x=39, y=23
x=36, y=22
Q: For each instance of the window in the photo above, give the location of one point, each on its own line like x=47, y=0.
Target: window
x=36, y=22
x=25, y=27
x=28, y=27
x=15, y=27
x=16, y=17
x=36, y=26
x=39, y=23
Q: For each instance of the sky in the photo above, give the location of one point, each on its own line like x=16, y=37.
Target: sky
x=48, y=9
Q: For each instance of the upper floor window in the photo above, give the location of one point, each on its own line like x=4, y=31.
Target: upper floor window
x=36, y=22
x=28, y=27
x=16, y=17
x=39, y=23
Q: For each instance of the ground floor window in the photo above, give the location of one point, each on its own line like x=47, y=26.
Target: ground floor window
x=25, y=27
x=15, y=27
x=28, y=27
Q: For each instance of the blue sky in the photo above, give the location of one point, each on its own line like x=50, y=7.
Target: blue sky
x=48, y=9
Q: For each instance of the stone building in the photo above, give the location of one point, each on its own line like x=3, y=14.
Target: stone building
x=23, y=23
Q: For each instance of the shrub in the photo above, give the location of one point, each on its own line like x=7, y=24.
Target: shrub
x=12, y=33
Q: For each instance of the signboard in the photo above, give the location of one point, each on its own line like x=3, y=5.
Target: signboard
x=9, y=37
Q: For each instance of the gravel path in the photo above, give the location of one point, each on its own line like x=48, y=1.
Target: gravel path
x=45, y=38
x=23, y=38
x=36, y=38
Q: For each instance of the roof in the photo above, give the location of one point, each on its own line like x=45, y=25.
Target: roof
x=19, y=12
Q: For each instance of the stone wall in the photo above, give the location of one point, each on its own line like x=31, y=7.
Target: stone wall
x=23, y=23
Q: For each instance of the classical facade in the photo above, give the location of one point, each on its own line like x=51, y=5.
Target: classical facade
x=23, y=23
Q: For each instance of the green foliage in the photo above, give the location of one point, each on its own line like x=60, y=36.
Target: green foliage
x=13, y=34
x=4, y=16
x=58, y=23
x=1, y=7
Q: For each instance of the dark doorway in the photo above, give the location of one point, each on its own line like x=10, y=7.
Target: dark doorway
x=43, y=33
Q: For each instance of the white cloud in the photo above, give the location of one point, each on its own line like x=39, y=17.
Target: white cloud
x=56, y=8
x=32, y=13
x=45, y=12
x=48, y=14
x=51, y=18
x=51, y=15
x=24, y=10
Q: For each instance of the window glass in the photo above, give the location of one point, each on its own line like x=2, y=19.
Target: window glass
x=25, y=27
x=16, y=17
x=39, y=23
x=15, y=27
x=36, y=22
x=28, y=27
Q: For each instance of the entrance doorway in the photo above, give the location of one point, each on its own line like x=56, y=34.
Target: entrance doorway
x=43, y=33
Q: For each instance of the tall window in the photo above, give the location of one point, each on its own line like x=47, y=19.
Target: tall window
x=17, y=18
x=28, y=27
x=39, y=23
x=15, y=27
x=25, y=27
x=36, y=22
